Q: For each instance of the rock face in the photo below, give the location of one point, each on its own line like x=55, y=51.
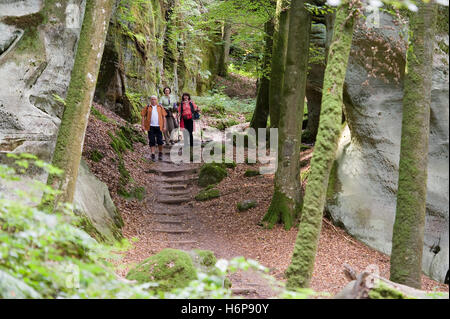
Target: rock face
x=141, y=56
x=93, y=201
x=363, y=183
x=38, y=42
x=37, y=48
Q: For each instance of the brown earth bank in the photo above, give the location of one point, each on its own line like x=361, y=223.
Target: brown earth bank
x=217, y=225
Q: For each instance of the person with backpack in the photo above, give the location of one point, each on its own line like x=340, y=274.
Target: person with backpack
x=188, y=112
x=169, y=108
x=154, y=122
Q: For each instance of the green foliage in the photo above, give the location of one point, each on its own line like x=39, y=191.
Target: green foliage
x=99, y=115
x=207, y=194
x=136, y=99
x=47, y=255
x=224, y=124
x=217, y=102
x=207, y=257
x=96, y=156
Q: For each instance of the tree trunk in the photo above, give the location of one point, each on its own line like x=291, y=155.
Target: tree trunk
x=368, y=285
x=261, y=112
x=278, y=64
x=69, y=143
x=300, y=270
x=287, y=200
x=407, y=239
x=225, y=52
x=314, y=93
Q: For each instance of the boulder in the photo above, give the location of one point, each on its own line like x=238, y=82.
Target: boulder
x=170, y=268
x=211, y=173
x=93, y=202
x=246, y=205
x=363, y=182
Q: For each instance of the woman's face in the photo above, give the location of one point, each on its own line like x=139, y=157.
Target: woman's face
x=185, y=98
x=166, y=92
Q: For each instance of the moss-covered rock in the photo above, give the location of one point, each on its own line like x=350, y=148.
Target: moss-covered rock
x=207, y=194
x=170, y=268
x=205, y=261
x=211, y=173
x=205, y=258
x=246, y=205
x=251, y=173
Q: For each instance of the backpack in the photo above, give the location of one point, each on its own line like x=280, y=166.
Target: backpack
x=194, y=114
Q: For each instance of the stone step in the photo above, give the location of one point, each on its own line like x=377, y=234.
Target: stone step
x=174, y=186
x=178, y=171
x=169, y=213
x=171, y=231
x=170, y=221
x=173, y=200
x=177, y=180
x=174, y=193
x=182, y=242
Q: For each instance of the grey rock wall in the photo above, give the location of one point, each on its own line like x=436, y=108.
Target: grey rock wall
x=363, y=188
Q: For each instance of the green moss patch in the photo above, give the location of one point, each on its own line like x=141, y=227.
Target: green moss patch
x=204, y=258
x=207, y=194
x=170, y=268
x=25, y=22
x=251, y=173
x=383, y=291
x=211, y=173
x=246, y=205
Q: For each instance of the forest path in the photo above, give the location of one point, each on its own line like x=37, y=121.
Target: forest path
x=175, y=222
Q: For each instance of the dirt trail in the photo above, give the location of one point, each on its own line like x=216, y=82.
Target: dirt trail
x=169, y=217
x=173, y=222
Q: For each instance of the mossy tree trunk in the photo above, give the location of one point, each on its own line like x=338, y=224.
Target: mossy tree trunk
x=287, y=197
x=278, y=65
x=261, y=112
x=300, y=270
x=314, y=95
x=407, y=239
x=69, y=144
x=225, y=50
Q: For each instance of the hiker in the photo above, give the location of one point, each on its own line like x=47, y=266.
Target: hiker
x=154, y=122
x=188, y=112
x=171, y=122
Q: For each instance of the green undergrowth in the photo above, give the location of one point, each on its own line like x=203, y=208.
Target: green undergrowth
x=207, y=194
x=121, y=141
x=96, y=156
x=218, y=105
x=48, y=255
x=99, y=115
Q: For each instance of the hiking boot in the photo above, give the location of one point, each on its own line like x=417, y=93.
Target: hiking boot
x=160, y=156
x=153, y=157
